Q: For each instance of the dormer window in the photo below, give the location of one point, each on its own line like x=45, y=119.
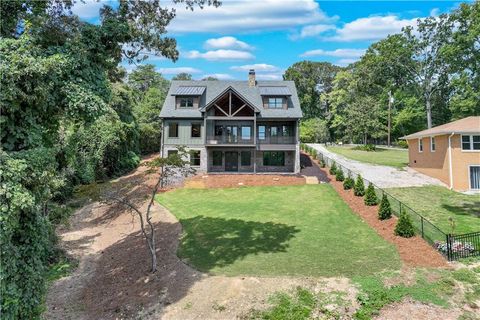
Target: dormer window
x=275, y=103
x=185, y=102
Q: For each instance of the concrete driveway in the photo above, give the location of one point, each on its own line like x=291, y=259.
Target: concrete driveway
x=382, y=176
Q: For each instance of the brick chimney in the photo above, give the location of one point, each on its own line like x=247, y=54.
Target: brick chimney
x=251, y=78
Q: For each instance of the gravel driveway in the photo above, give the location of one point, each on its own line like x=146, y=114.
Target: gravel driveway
x=382, y=176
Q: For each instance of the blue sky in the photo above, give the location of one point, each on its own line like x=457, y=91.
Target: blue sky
x=271, y=35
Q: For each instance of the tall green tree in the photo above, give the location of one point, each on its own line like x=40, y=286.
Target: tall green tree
x=314, y=81
x=182, y=76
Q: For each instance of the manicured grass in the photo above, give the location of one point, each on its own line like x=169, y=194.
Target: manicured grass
x=295, y=230
x=438, y=204
x=387, y=157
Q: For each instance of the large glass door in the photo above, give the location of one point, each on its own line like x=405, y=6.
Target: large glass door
x=231, y=161
x=232, y=134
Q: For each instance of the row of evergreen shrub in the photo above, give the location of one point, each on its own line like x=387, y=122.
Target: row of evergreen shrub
x=404, y=227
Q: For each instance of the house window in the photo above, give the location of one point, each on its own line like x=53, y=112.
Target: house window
x=195, y=157
x=432, y=144
x=273, y=158
x=218, y=131
x=261, y=132
x=171, y=152
x=196, y=130
x=471, y=142
x=287, y=131
x=420, y=145
x=217, y=158
x=173, y=130
x=246, y=158
x=275, y=103
x=274, y=132
x=246, y=133
x=186, y=102
x=474, y=177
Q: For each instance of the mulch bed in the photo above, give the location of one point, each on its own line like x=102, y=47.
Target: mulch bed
x=414, y=252
x=235, y=181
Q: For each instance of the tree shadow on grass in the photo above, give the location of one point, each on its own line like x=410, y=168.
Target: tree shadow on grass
x=216, y=242
x=465, y=209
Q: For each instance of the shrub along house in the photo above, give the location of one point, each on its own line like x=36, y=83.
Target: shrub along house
x=234, y=126
x=450, y=153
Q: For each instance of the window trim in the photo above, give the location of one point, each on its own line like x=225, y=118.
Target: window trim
x=177, y=130
x=470, y=177
x=273, y=165
x=433, y=143
x=199, y=131
x=186, y=98
x=199, y=157
x=420, y=145
x=470, y=142
x=213, y=158
x=249, y=158
x=275, y=105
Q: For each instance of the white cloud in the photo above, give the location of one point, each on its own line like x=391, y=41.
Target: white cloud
x=88, y=10
x=221, y=54
x=178, y=70
x=248, y=16
x=227, y=43
x=340, y=53
x=258, y=67
x=371, y=28
x=312, y=30
x=269, y=76
x=345, y=62
x=435, y=12
x=219, y=76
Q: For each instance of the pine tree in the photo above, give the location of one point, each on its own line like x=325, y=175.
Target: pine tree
x=348, y=183
x=339, y=175
x=333, y=168
x=370, y=196
x=384, y=211
x=404, y=227
x=359, y=188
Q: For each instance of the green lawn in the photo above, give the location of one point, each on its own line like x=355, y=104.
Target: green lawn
x=437, y=204
x=387, y=157
x=295, y=230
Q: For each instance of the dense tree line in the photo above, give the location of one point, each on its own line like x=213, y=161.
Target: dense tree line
x=69, y=116
x=430, y=73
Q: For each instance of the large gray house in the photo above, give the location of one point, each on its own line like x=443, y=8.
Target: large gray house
x=234, y=126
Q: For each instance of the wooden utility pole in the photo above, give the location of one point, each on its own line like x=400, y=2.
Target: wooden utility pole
x=390, y=101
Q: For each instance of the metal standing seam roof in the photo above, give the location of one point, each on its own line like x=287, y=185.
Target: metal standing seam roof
x=188, y=91
x=212, y=89
x=274, y=91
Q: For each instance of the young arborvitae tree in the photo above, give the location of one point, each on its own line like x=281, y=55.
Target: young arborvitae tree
x=348, y=183
x=404, y=227
x=384, y=211
x=333, y=168
x=168, y=169
x=359, y=187
x=370, y=196
x=339, y=175
x=322, y=163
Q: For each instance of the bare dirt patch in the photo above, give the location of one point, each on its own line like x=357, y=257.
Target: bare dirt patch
x=408, y=310
x=414, y=252
x=239, y=180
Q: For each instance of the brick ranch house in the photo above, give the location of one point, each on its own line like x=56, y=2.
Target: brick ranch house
x=450, y=153
x=234, y=126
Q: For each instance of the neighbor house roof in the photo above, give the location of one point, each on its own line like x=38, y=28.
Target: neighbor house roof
x=214, y=88
x=465, y=125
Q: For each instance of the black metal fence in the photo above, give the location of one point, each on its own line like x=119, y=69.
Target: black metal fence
x=452, y=246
